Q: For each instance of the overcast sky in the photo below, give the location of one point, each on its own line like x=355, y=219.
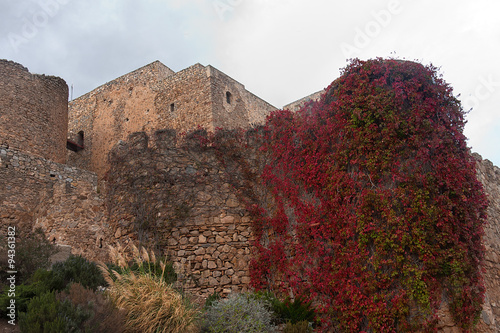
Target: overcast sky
x=281, y=50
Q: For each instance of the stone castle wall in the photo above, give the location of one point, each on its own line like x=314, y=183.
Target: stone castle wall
x=178, y=198
x=153, y=99
x=34, y=112
x=489, y=175
x=298, y=104
x=61, y=200
x=233, y=105
x=113, y=111
x=184, y=100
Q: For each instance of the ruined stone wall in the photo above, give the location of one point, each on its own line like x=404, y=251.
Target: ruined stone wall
x=33, y=112
x=62, y=200
x=175, y=195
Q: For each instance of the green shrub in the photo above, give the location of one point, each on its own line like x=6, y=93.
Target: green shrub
x=211, y=299
x=75, y=269
x=33, y=251
x=294, y=311
x=287, y=311
x=38, y=284
x=76, y=310
x=46, y=314
x=299, y=327
x=238, y=313
x=78, y=270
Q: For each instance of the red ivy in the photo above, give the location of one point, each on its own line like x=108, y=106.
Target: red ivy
x=378, y=213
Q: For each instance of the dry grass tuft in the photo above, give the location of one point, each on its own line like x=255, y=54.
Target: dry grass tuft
x=151, y=304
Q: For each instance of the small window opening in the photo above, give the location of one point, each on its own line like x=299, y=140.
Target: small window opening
x=228, y=97
x=80, y=138
x=126, y=119
x=172, y=107
x=76, y=143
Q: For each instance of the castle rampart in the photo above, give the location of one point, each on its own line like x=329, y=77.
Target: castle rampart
x=38, y=107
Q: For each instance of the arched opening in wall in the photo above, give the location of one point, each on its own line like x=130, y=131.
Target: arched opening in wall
x=80, y=138
x=228, y=97
x=172, y=107
x=75, y=143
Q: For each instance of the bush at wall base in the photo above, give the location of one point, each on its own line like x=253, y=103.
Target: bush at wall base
x=239, y=313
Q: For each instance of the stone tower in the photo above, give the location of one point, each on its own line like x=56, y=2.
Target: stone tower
x=34, y=112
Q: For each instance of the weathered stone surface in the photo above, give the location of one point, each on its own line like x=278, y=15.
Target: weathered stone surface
x=34, y=113
x=155, y=97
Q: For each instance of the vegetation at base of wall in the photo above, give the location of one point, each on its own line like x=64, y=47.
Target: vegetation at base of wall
x=294, y=311
x=79, y=270
x=33, y=251
x=211, y=299
x=76, y=310
x=150, y=303
x=371, y=207
x=299, y=327
x=168, y=273
x=75, y=269
x=288, y=310
x=239, y=313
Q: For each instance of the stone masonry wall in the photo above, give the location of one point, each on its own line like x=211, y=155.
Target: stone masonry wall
x=62, y=200
x=233, y=105
x=111, y=112
x=489, y=175
x=184, y=101
x=298, y=104
x=149, y=99
x=175, y=194
x=33, y=112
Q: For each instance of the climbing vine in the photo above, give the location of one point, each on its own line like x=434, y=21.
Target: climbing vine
x=377, y=214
